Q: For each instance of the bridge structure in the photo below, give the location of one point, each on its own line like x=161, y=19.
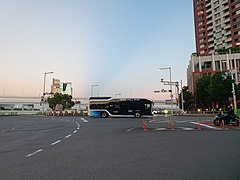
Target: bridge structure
x=11, y=105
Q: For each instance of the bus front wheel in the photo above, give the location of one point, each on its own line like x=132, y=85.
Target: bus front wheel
x=104, y=115
x=137, y=115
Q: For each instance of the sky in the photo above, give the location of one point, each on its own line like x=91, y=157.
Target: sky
x=118, y=45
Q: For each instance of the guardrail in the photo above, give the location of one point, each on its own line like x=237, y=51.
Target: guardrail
x=16, y=112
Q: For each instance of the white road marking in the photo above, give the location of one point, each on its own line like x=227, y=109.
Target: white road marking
x=78, y=125
x=68, y=136
x=56, y=142
x=29, y=155
x=206, y=126
x=152, y=120
x=130, y=129
x=3, y=131
x=74, y=131
x=84, y=120
x=160, y=129
x=187, y=129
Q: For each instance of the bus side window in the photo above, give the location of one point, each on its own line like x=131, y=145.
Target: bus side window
x=147, y=106
x=92, y=106
x=117, y=106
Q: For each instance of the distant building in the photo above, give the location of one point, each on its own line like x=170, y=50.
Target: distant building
x=61, y=87
x=66, y=88
x=55, y=87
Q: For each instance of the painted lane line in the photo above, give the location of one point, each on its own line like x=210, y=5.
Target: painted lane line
x=56, y=142
x=160, y=129
x=74, y=131
x=130, y=129
x=78, y=125
x=206, y=126
x=68, y=136
x=38, y=151
x=84, y=120
x=152, y=121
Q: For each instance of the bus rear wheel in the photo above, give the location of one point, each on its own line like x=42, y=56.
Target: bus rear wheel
x=104, y=115
x=137, y=115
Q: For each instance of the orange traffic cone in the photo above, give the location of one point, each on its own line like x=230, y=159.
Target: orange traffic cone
x=144, y=126
x=223, y=124
x=199, y=125
x=169, y=124
x=172, y=124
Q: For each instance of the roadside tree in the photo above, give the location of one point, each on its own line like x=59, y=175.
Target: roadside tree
x=58, y=98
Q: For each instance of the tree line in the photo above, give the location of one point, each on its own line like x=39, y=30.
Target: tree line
x=212, y=92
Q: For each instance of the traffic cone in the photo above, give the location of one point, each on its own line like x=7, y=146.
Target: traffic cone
x=199, y=125
x=144, y=126
x=169, y=124
x=172, y=125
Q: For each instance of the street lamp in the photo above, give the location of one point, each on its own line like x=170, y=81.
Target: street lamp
x=44, y=81
x=170, y=83
x=93, y=85
x=44, y=85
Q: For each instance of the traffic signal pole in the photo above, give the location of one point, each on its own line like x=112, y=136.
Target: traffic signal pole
x=234, y=97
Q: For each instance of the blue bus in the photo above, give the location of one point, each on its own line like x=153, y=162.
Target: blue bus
x=118, y=107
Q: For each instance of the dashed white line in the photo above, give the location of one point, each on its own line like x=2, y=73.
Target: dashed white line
x=56, y=142
x=78, y=125
x=29, y=155
x=74, y=131
x=68, y=136
x=84, y=120
x=130, y=129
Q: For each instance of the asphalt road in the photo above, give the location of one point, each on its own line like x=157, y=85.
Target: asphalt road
x=38, y=147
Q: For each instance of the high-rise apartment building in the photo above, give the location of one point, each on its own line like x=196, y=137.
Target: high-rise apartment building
x=217, y=25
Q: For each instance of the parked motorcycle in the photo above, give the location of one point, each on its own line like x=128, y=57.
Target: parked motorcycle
x=227, y=120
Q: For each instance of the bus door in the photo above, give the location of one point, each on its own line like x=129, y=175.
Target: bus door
x=114, y=108
x=147, y=110
x=126, y=108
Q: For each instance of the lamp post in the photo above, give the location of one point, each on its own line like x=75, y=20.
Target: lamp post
x=93, y=85
x=170, y=83
x=44, y=85
x=233, y=88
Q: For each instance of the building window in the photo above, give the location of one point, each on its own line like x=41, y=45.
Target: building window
x=201, y=29
x=238, y=12
x=217, y=9
x=237, y=6
x=199, y=1
x=218, y=21
x=216, y=3
x=237, y=19
x=217, y=15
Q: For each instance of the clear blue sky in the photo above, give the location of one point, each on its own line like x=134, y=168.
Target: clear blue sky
x=116, y=44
